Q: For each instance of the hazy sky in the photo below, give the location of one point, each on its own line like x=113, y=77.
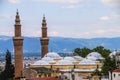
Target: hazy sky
x=66, y=18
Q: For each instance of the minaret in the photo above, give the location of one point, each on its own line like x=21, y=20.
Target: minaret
x=44, y=39
x=18, y=50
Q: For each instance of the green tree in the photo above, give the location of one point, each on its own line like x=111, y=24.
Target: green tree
x=77, y=51
x=1, y=69
x=96, y=72
x=104, y=52
x=83, y=52
x=8, y=72
x=109, y=65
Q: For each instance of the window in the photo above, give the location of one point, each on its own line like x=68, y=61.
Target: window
x=114, y=75
x=118, y=74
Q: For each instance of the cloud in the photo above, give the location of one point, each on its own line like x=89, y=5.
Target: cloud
x=38, y=33
x=104, y=18
x=111, y=2
x=32, y=33
x=14, y=1
x=98, y=33
x=7, y=33
x=60, y=1
x=110, y=17
x=70, y=7
x=53, y=33
x=116, y=16
x=6, y=17
x=107, y=32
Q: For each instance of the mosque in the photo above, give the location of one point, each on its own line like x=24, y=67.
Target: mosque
x=81, y=67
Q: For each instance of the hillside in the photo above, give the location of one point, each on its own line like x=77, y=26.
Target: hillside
x=59, y=44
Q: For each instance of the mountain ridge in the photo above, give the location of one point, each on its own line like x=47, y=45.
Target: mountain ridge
x=60, y=44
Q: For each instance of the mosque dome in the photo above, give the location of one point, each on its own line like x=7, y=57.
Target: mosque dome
x=64, y=62
x=40, y=62
x=69, y=58
x=53, y=55
x=95, y=54
x=47, y=59
x=86, y=62
x=52, y=62
x=78, y=57
x=91, y=58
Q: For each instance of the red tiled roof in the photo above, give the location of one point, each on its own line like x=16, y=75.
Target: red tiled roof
x=45, y=78
x=116, y=70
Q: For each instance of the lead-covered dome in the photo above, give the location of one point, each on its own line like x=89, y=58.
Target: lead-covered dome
x=87, y=62
x=95, y=54
x=78, y=58
x=64, y=62
x=53, y=55
x=69, y=58
x=91, y=58
x=40, y=62
x=48, y=59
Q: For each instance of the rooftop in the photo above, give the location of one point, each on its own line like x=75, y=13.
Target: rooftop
x=45, y=78
x=116, y=70
x=53, y=55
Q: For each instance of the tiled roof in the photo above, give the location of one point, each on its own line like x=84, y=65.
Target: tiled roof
x=45, y=78
x=116, y=70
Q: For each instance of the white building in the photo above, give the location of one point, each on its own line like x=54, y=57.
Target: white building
x=116, y=74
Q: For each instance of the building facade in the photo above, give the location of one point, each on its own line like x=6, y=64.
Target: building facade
x=116, y=74
x=82, y=67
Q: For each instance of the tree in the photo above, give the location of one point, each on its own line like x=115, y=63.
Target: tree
x=97, y=72
x=77, y=51
x=104, y=52
x=1, y=69
x=109, y=65
x=83, y=52
x=8, y=72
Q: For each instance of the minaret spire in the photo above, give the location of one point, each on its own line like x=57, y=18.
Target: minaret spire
x=44, y=39
x=17, y=20
x=44, y=24
x=17, y=11
x=17, y=25
x=43, y=15
x=18, y=47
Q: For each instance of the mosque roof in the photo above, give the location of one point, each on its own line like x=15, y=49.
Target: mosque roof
x=48, y=59
x=116, y=70
x=69, y=58
x=91, y=58
x=64, y=62
x=40, y=62
x=45, y=78
x=78, y=57
x=87, y=62
x=78, y=70
x=95, y=54
x=53, y=55
x=84, y=70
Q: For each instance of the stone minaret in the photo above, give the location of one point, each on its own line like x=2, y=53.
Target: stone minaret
x=18, y=50
x=44, y=39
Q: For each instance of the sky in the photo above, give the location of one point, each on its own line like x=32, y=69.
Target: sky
x=65, y=18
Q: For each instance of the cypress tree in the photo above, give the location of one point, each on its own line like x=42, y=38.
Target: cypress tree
x=8, y=72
